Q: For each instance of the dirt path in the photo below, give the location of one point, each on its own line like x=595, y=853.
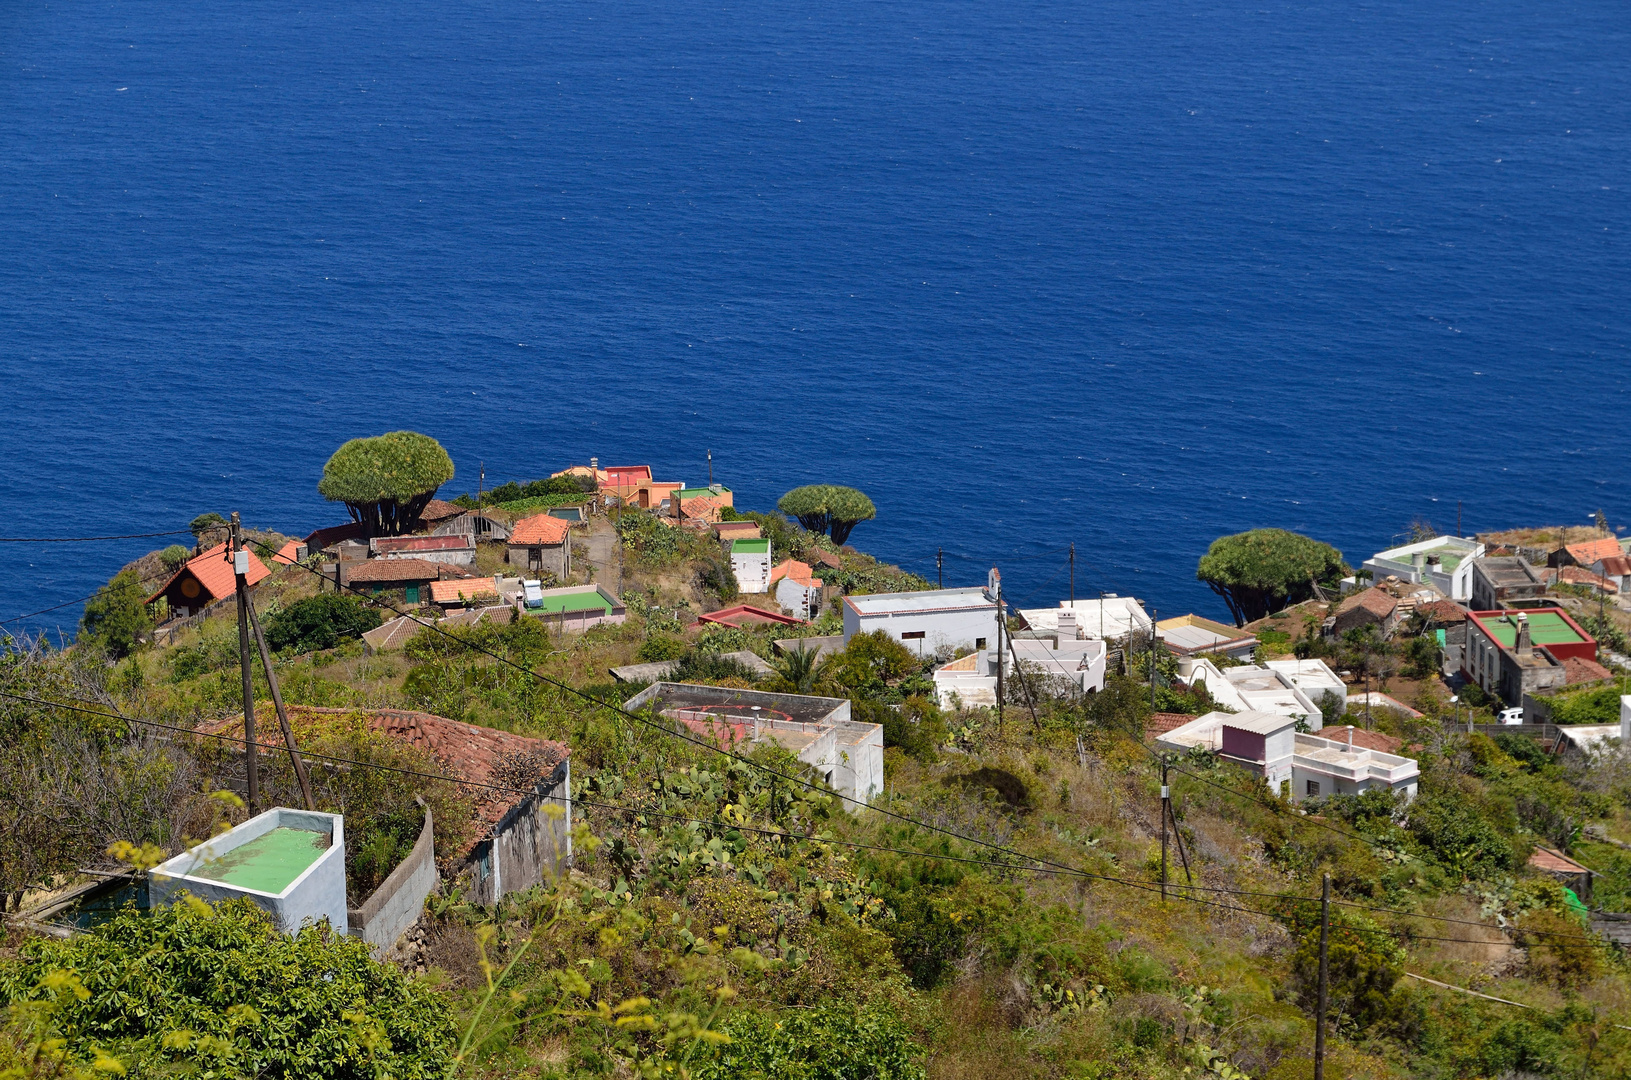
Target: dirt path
x=605, y=555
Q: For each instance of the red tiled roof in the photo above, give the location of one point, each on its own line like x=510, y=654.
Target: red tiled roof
x=466, y=752
x=1163, y=722
x=468, y=590
x=1367, y=740
x=1592, y=550
x=1575, y=575
x=539, y=529
x=826, y=558
x=1617, y=566
x=214, y=574
x=376, y=571
x=1376, y=601
x=1442, y=611
x=285, y=554
x=1555, y=862
x=737, y=530
x=439, y=510
x=1577, y=669
x=748, y=615
x=799, y=572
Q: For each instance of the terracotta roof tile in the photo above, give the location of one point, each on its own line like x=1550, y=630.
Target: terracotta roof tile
x=467, y=752
x=539, y=529
x=376, y=570
x=333, y=534
x=285, y=554
x=826, y=558
x=798, y=571
x=214, y=573
x=466, y=589
x=439, y=510
x=1592, y=550
x=1163, y=722
x=1368, y=740
x=1376, y=601
x=1618, y=566
x=1577, y=669
x=1575, y=575
x=747, y=615
x=1555, y=862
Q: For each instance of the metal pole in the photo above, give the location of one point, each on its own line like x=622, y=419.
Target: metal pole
x=1325, y=979
x=1073, y=576
x=998, y=580
x=240, y=566
x=940, y=567
x=1166, y=795
x=282, y=714
x=1152, y=660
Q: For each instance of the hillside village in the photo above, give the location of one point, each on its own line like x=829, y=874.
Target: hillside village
x=604, y=775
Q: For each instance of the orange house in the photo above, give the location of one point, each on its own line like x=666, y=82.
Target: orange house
x=204, y=579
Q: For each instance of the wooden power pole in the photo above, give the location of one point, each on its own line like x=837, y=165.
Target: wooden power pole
x=282, y=714
x=996, y=589
x=1166, y=802
x=1325, y=979
x=239, y=558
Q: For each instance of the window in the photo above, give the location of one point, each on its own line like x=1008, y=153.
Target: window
x=1313, y=787
x=911, y=635
x=979, y=643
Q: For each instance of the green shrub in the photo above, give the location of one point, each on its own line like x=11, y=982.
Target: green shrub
x=219, y=992
x=1458, y=837
x=658, y=647
x=116, y=618
x=832, y=1042
x=1596, y=706
x=319, y=622
x=175, y=557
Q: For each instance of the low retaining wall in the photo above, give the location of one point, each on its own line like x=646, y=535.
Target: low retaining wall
x=395, y=905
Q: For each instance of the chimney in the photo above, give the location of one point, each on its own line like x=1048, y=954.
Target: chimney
x=1522, y=645
x=1068, y=630
x=1350, y=738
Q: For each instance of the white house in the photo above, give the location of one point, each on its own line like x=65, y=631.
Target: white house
x=750, y=562
x=796, y=589
x=1109, y=619
x=1313, y=677
x=1250, y=688
x=972, y=680
x=926, y=621
x=1302, y=765
x=1445, y=562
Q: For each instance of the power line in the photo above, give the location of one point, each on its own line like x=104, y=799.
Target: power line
x=58, y=607
x=88, y=539
x=1053, y=870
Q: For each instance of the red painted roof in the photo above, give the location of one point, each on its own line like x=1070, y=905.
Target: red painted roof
x=466, y=752
x=539, y=529
x=1592, y=550
x=376, y=571
x=625, y=475
x=748, y=615
x=453, y=542
x=214, y=574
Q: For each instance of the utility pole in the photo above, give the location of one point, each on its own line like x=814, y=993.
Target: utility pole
x=1325, y=979
x=1073, y=575
x=240, y=567
x=282, y=714
x=940, y=567
x=710, y=468
x=996, y=588
x=1152, y=663
x=481, y=479
x=1458, y=517
x=1166, y=800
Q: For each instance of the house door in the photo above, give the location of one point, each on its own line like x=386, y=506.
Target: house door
x=412, y=594
x=535, y=559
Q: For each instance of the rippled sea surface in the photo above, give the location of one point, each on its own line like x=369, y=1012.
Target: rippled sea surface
x=1128, y=275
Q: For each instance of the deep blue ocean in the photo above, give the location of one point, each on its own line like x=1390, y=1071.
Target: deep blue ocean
x=1130, y=274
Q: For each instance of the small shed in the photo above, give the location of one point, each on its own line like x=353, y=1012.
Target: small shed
x=541, y=543
x=1370, y=607
x=454, y=550
x=206, y=578
x=408, y=576
x=1560, y=866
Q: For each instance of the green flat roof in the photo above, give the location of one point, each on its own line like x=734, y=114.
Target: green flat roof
x=573, y=602
x=747, y=545
x=1545, y=628
x=268, y=863
x=698, y=493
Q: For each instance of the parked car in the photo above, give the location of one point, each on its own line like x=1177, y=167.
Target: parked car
x=1510, y=716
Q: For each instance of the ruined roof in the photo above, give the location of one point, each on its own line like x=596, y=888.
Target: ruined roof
x=468, y=753
x=825, y=558
x=1577, y=669
x=747, y=615
x=319, y=539
x=443, y=542
x=539, y=529
x=1374, y=600
x=1578, y=575
x=213, y=571
x=1442, y=611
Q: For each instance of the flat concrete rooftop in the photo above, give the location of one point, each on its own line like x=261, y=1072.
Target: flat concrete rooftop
x=737, y=705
